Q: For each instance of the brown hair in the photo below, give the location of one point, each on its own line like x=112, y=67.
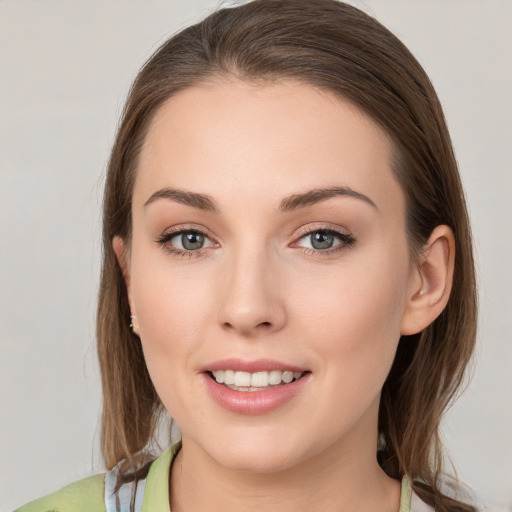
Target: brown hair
x=337, y=47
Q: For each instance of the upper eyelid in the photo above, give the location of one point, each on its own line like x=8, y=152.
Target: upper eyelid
x=321, y=227
x=344, y=236
x=176, y=230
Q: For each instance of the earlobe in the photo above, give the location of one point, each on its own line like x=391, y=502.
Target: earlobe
x=431, y=281
x=119, y=247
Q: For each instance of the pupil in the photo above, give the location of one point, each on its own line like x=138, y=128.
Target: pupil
x=192, y=241
x=322, y=240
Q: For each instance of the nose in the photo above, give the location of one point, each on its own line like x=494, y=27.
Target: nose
x=251, y=300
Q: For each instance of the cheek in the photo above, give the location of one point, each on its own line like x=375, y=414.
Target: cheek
x=173, y=309
x=171, y=312
x=171, y=316
x=354, y=318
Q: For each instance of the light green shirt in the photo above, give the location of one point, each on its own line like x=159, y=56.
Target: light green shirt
x=88, y=495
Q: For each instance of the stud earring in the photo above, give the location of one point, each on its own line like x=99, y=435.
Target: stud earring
x=132, y=326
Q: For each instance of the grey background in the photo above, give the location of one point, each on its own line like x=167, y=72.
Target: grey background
x=65, y=70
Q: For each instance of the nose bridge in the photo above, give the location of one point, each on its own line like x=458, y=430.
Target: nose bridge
x=251, y=301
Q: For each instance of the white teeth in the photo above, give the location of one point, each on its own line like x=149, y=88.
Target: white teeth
x=287, y=377
x=242, y=379
x=259, y=379
x=274, y=377
x=229, y=376
x=255, y=380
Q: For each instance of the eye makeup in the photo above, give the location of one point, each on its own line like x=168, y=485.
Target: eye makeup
x=323, y=240
x=194, y=241
x=317, y=241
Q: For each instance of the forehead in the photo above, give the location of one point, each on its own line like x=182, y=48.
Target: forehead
x=263, y=139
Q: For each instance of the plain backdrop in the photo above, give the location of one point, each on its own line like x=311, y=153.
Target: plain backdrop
x=65, y=69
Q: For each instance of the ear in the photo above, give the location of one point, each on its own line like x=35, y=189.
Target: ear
x=430, y=282
x=119, y=247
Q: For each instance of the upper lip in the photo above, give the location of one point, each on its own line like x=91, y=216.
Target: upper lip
x=258, y=365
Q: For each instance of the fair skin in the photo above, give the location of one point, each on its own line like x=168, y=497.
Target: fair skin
x=325, y=285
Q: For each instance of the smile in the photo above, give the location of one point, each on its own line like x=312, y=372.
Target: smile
x=258, y=381
x=258, y=388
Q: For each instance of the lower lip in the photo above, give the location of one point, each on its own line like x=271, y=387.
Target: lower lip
x=254, y=402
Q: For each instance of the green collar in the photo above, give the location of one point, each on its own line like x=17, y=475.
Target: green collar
x=405, y=495
x=156, y=496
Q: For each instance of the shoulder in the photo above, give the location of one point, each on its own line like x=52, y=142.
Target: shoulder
x=86, y=495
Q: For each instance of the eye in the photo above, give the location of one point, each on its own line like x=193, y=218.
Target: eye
x=191, y=241
x=185, y=241
x=322, y=240
x=325, y=240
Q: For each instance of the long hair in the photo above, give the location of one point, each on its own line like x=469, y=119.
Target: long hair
x=336, y=47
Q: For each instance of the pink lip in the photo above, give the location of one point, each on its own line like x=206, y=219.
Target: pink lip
x=253, y=402
x=259, y=365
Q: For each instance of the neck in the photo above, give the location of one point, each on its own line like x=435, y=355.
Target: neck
x=336, y=480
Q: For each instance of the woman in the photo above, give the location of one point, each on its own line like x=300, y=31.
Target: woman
x=287, y=272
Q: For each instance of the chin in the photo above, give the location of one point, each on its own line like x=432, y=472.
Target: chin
x=262, y=462
x=259, y=454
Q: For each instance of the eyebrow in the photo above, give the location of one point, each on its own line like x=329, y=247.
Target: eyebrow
x=193, y=199
x=293, y=202
x=321, y=194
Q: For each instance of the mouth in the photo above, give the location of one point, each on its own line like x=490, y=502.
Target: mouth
x=258, y=381
x=252, y=387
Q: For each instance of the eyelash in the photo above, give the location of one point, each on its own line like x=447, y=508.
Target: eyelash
x=164, y=240
x=346, y=240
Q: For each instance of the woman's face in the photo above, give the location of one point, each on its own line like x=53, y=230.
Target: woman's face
x=268, y=238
